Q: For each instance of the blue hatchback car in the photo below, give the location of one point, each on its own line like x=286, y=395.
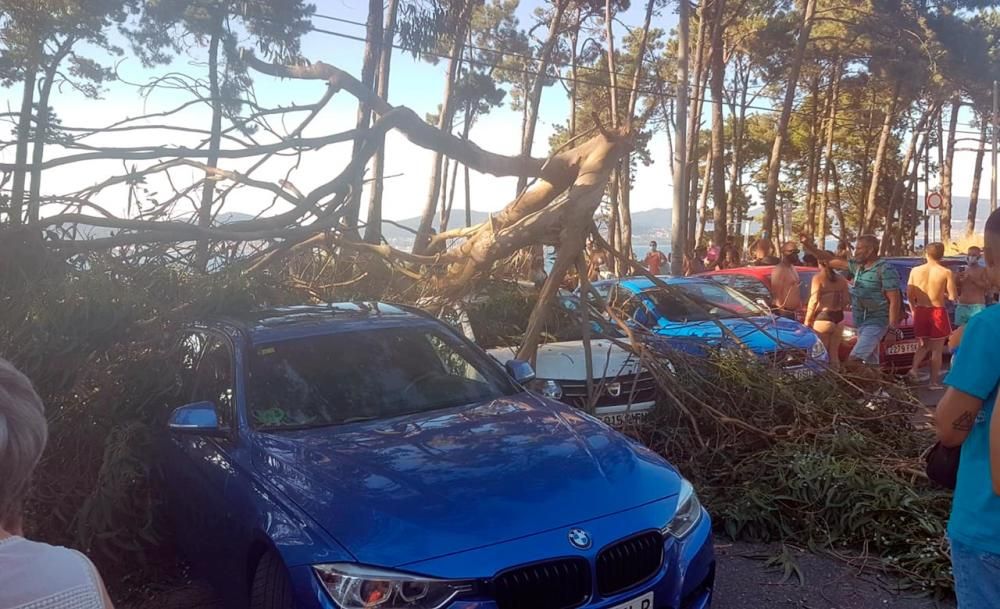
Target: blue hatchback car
x=695, y=314
x=367, y=455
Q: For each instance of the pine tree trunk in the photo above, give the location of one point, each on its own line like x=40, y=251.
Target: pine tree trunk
x=774, y=164
x=871, y=204
x=896, y=199
x=534, y=98
x=947, y=171
x=16, y=215
x=214, y=143
x=625, y=196
x=830, y=128
x=373, y=227
x=718, y=127
x=703, y=201
x=737, y=148
x=444, y=123
x=694, y=122
x=977, y=176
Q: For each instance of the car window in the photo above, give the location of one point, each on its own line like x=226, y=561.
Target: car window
x=214, y=380
x=371, y=374
x=753, y=288
x=700, y=301
x=805, y=285
x=190, y=348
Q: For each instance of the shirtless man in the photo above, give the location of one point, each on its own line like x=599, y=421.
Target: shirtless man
x=930, y=287
x=973, y=283
x=785, y=282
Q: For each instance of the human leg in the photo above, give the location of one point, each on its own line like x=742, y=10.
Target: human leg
x=866, y=349
x=834, y=347
x=825, y=329
x=937, y=353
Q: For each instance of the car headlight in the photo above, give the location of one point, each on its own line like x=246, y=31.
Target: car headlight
x=547, y=388
x=818, y=351
x=848, y=333
x=353, y=586
x=688, y=512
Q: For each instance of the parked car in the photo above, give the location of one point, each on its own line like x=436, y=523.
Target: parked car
x=896, y=356
x=623, y=392
x=696, y=314
x=365, y=455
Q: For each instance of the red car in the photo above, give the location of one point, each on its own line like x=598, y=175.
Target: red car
x=755, y=282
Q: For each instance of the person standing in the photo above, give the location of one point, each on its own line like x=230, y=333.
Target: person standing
x=763, y=253
x=876, y=301
x=930, y=287
x=828, y=296
x=785, y=283
x=654, y=259
x=33, y=574
x=965, y=417
x=973, y=284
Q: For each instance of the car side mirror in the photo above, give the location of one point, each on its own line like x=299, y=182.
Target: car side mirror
x=197, y=418
x=520, y=370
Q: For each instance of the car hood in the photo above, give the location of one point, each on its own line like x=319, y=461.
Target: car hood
x=564, y=361
x=419, y=487
x=762, y=335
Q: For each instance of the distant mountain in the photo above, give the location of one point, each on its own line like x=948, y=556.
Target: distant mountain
x=400, y=237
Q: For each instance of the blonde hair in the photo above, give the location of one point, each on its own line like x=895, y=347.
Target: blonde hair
x=23, y=433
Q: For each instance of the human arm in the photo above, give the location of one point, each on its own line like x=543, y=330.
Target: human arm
x=972, y=378
x=839, y=264
x=895, y=307
x=912, y=294
x=813, y=301
x=952, y=287
x=995, y=449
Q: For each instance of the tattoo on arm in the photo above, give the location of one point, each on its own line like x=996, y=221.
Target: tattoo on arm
x=964, y=422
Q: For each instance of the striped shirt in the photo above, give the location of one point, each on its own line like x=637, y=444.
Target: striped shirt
x=868, y=300
x=39, y=576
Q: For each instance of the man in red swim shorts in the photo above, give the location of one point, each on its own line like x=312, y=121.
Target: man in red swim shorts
x=930, y=287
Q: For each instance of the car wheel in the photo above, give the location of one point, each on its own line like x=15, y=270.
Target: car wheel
x=271, y=588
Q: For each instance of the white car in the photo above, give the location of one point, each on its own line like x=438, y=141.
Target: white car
x=622, y=391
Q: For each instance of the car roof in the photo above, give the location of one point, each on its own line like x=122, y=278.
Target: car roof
x=281, y=323
x=639, y=283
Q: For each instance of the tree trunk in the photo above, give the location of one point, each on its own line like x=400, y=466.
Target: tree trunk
x=574, y=42
x=774, y=164
x=612, y=64
x=625, y=196
x=703, y=201
x=947, y=170
x=679, y=212
x=534, y=97
x=718, y=127
x=369, y=69
x=896, y=199
x=444, y=123
x=21, y=153
x=694, y=124
x=977, y=175
x=737, y=147
x=465, y=168
x=373, y=227
x=214, y=142
x=838, y=207
x=871, y=205
x=443, y=205
x=812, y=172
x=830, y=128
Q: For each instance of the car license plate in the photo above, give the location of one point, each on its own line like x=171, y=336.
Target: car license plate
x=643, y=602
x=902, y=348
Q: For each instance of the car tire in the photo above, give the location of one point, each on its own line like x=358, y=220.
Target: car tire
x=271, y=588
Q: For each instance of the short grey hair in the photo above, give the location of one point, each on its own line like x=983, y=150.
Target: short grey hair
x=23, y=432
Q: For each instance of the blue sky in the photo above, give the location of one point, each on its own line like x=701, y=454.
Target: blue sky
x=414, y=83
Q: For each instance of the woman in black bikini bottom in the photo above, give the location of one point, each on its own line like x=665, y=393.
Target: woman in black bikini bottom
x=825, y=313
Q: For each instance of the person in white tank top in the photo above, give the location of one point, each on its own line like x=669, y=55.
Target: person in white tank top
x=33, y=575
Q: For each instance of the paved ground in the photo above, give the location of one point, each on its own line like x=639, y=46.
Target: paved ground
x=745, y=581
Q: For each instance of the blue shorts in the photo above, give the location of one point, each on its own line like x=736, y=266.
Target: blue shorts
x=965, y=312
x=977, y=577
x=869, y=338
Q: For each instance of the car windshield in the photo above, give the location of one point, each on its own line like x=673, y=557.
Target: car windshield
x=704, y=301
x=375, y=374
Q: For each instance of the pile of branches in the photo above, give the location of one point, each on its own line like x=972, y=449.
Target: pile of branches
x=819, y=463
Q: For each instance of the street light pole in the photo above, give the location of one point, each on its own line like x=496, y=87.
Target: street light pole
x=678, y=226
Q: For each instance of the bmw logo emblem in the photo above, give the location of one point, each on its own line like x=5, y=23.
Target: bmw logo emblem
x=580, y=539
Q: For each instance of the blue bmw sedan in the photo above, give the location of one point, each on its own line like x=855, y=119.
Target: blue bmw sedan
x=366, y=455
